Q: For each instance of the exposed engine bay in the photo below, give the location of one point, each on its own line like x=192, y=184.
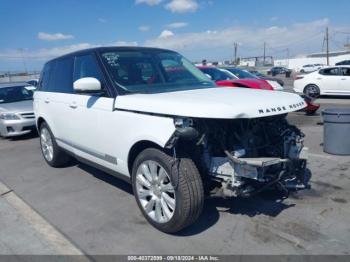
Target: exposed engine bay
x=245, y=156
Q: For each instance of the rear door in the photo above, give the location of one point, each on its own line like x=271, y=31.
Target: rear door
x=59, y=93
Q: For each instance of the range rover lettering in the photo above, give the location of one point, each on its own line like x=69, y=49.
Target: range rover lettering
x=151, y=117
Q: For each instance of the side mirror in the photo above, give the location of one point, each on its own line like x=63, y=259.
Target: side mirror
x=87, y=85
x=209, y=76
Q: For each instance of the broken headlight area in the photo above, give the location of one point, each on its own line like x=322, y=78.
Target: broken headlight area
x=245, y=156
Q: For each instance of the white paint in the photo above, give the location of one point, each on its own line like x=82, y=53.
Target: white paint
x=93, y=127
x=223, y=102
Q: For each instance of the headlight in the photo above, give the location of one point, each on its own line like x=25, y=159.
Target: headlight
x=9, y=116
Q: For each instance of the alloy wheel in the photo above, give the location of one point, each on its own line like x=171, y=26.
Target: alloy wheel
x=46, y=144
x=155, y=191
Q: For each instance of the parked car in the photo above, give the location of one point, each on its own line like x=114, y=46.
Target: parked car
x=16, y=110
x=311, y=68
x=243, y=74
x=345, y=62
x=151, y=117
x=277, y=70
x=311, y=107
x=223, y=77
x=33, y=82
x=326, y=81
x=263, y=76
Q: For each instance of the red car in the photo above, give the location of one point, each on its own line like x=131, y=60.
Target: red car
x=223, y=77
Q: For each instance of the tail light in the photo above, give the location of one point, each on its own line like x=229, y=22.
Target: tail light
x=298, y=77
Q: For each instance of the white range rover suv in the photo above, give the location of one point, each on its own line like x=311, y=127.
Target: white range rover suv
x=151, y=117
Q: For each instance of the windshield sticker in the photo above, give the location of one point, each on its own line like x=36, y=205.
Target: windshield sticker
x=112, y=59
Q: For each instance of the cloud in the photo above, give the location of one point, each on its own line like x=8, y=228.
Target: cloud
x=274, y=18
x=165, y=34
x=182, y=6
x=296, y=36
x=124, y=43
x=148, y=2
x=144, y=28
x=53, y=37
x=49, y=53
x=102, y=20
x=177, y=25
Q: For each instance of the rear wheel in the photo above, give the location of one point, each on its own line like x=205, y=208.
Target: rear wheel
x=52, y=153
x=312, y=91
x=169, y=194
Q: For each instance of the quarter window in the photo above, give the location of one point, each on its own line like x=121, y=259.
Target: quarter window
x=45, y=77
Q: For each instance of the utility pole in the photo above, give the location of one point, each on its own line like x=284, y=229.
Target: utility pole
x=236, y=48
x=327, y=45
x=23, y=60
x=264, y=52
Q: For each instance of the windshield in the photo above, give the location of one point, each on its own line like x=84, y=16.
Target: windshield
x=241, y=74
x=15, y=94
x=153, y=71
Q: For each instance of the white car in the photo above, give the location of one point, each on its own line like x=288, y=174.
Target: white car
x=311, y=68
x=326, y=81
x=151, y=117
x=16, y=109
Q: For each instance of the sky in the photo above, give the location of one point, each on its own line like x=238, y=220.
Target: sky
x=34, y=31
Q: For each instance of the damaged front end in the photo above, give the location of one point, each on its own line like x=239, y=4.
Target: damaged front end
x=242, y=157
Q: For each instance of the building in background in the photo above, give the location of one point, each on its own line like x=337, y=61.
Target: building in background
x=318, y=58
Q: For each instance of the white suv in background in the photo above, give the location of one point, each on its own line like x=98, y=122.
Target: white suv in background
x=151, y=117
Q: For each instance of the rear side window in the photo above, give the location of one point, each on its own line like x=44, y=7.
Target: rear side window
x=345, y=71
x=330, y=72
x=45, y=77
x=86, y=66
x=61, y=76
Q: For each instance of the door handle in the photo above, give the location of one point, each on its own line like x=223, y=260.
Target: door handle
x=73, y=105
x=343, y=79
x=47, y=100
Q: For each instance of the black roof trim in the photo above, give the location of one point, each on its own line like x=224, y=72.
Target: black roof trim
x=110, y=48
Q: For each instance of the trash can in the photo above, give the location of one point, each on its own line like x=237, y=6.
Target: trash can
x=336, y=131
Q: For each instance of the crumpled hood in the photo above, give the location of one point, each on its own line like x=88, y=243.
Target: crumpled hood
x=16, y=107
x=224, y=103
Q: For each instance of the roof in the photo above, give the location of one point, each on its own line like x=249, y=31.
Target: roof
x=111, y=48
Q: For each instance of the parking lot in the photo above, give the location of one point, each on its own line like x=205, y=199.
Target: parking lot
x=99, y=215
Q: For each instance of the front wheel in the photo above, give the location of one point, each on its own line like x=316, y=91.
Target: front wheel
x=169, y=192
x=312, y=91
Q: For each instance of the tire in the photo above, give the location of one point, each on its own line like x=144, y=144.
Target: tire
x=181, y=182
x=312, y=91
x=302, y=71
x=52, y=153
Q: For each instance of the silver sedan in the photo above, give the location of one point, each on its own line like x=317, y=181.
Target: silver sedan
x=16, y=110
